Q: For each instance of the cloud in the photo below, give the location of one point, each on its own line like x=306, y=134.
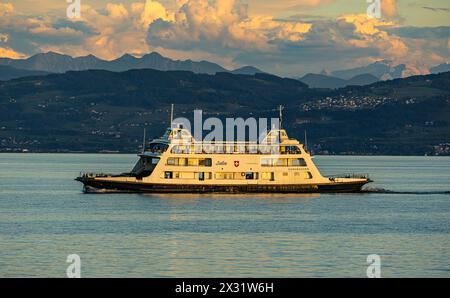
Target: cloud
x=421, y=32
x=229, y=32
x=27, y=34
x=149, y=12
x=4, y=37
x=221, y=26
x=426, y=46
x=370, y=34
x=272, y=6
x=49, y=31
x=328, y=43
x=355, y=40
x=225, y=28
x=389, y=8
x=6, y=9
x=116, y=11
x=304, y=3
x=365, y=25
x=107, y=33
x=417, y=48
x=113, y=32
x=6, y=52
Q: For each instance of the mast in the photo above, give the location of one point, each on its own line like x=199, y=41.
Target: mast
x=143, y=141
x=171, y=115
x=280, y=119
x=280, y=122
x=306, y=141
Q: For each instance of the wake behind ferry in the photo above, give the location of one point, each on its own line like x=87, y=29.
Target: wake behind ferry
x=177, y=163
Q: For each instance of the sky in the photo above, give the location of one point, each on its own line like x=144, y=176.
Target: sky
x=284, y=37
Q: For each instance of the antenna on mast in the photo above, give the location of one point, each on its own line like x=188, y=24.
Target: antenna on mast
x=171, y=115
x=280, y=120
x=143, y=141
x=306, y=141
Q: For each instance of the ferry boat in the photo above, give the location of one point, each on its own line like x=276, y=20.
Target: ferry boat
x=177, y=163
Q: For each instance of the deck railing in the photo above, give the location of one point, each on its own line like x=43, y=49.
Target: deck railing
x=337, y=177
x=233, y=147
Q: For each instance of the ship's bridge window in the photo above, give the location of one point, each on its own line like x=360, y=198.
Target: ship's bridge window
x=157, y=147
x=283, y=162
x=299, y=162
x=181, y=149
x=144, y=167
x=273, y=162
x=270, y=162
x=290, y=150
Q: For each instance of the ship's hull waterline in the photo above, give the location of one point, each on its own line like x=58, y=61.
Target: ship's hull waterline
x=92, y=185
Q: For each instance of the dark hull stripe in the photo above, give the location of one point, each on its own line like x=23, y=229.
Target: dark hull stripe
x=111, y=186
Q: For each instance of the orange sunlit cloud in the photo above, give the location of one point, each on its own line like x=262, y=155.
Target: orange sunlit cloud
x=232, y=32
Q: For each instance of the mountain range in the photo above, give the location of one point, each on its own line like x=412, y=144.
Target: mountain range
x=378, y=71
x=323, y=81
x=50, y=62
x=8, y=73
x=440, y=68
x=383, y=70
x=57, y=63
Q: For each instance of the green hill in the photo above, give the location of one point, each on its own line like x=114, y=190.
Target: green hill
x=100, y=110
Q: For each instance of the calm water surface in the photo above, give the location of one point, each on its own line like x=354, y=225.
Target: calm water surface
x=44, y=217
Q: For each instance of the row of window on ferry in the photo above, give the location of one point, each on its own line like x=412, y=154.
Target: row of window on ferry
x=235, y=149
x=232, y=175
x=265, y=162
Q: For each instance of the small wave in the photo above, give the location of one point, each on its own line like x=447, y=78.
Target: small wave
x=388, y=191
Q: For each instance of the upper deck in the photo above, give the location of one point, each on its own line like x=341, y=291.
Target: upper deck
x=180, y=141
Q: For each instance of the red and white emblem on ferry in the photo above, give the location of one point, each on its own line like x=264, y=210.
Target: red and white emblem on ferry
x=236, y=163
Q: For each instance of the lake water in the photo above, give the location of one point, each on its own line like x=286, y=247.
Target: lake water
x=44, y=217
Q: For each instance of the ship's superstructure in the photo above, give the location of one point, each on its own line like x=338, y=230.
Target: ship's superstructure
x=177, y=162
